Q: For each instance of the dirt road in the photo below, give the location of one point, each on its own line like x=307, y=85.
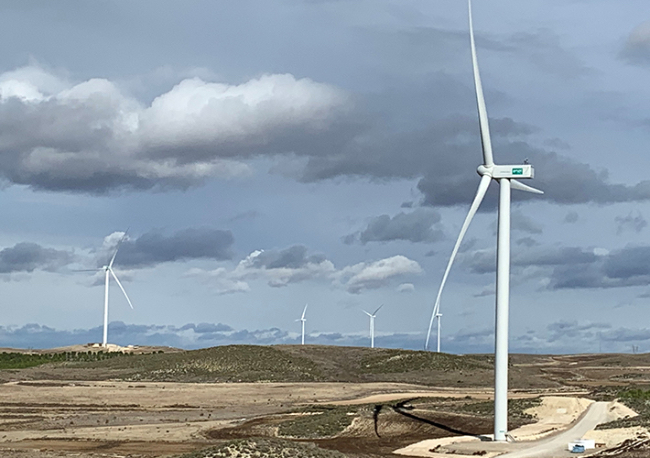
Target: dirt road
x=556, y=446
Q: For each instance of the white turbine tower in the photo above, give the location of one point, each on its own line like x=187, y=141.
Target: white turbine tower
x=108, y=272
x=303, y=320
x=507, y=176
x=372, y=325
x=435, y=315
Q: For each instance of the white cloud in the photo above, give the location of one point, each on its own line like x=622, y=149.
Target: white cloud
x=221, y=280
x=354, y=278
x=376, y=274
x=283, y=275
x=195, y=111
x=93, y=137
x=406, y=288
x=637, y=47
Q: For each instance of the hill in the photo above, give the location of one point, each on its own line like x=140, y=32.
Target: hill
x=320, y=363
x=317, y=363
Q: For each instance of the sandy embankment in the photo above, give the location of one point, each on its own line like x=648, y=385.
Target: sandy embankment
x=554, y=414
x=612, y=437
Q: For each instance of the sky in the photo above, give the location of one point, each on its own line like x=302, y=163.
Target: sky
x=266, y=154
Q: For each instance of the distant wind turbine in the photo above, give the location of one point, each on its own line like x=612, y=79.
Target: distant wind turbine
x=108, y=272
x=372, y=325
x=303, y=320
x=507, y=176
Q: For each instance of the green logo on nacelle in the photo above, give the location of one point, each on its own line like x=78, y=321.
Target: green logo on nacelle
x=518, y=171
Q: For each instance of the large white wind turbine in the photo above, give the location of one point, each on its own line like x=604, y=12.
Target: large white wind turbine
x=507, y=176
x=108, y=272
x=372, y=325
x=303, y=320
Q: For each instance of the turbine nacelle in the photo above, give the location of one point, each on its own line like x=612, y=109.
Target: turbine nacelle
x=506, y=171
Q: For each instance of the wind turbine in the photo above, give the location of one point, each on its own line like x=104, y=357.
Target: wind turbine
x=372, y=325
x=303, y=320
x=435, y=315
x=108, y=272
x=507, y=176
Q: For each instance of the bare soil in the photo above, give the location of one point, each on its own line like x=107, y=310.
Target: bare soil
x=166, y=404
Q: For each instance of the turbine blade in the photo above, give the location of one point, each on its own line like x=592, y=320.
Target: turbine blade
x=518, y=185
x=375, y=312
x=480, y=193
x=486, y=142
x=121, y=287
x=303, y=312
x=367, y=313
x=110, y=264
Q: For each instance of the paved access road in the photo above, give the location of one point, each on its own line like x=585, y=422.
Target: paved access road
x=556, y=446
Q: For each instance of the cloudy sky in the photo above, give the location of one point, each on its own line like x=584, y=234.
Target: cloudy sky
x=265, y=154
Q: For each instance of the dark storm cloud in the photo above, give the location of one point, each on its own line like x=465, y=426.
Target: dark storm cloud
x=563, y=181
x=194, y=243
x=446, y=153
x=571, y=217
x=631, y=222
x=203, y=328
x=560, y=328
x=441, y=147
x=245, y=216
x=626, y=267
x=626, y=335
x=523, y=223
x=27, y=257
x=628, y=263
x=555, y=257
x=637, y=47
x=527, y=241
x=484, y=261
x=544, y=50
x=480, y=261
x=415, y=227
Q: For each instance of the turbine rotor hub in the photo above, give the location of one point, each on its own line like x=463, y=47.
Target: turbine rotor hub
x=484, y=170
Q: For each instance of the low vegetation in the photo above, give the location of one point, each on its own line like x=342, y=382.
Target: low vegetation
x=284, y=363
x=231, y=363
x=387, y=361
x=316, y=422
x=265, y=448
x=25, y=360
x=636, y=399
x=516, y=408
